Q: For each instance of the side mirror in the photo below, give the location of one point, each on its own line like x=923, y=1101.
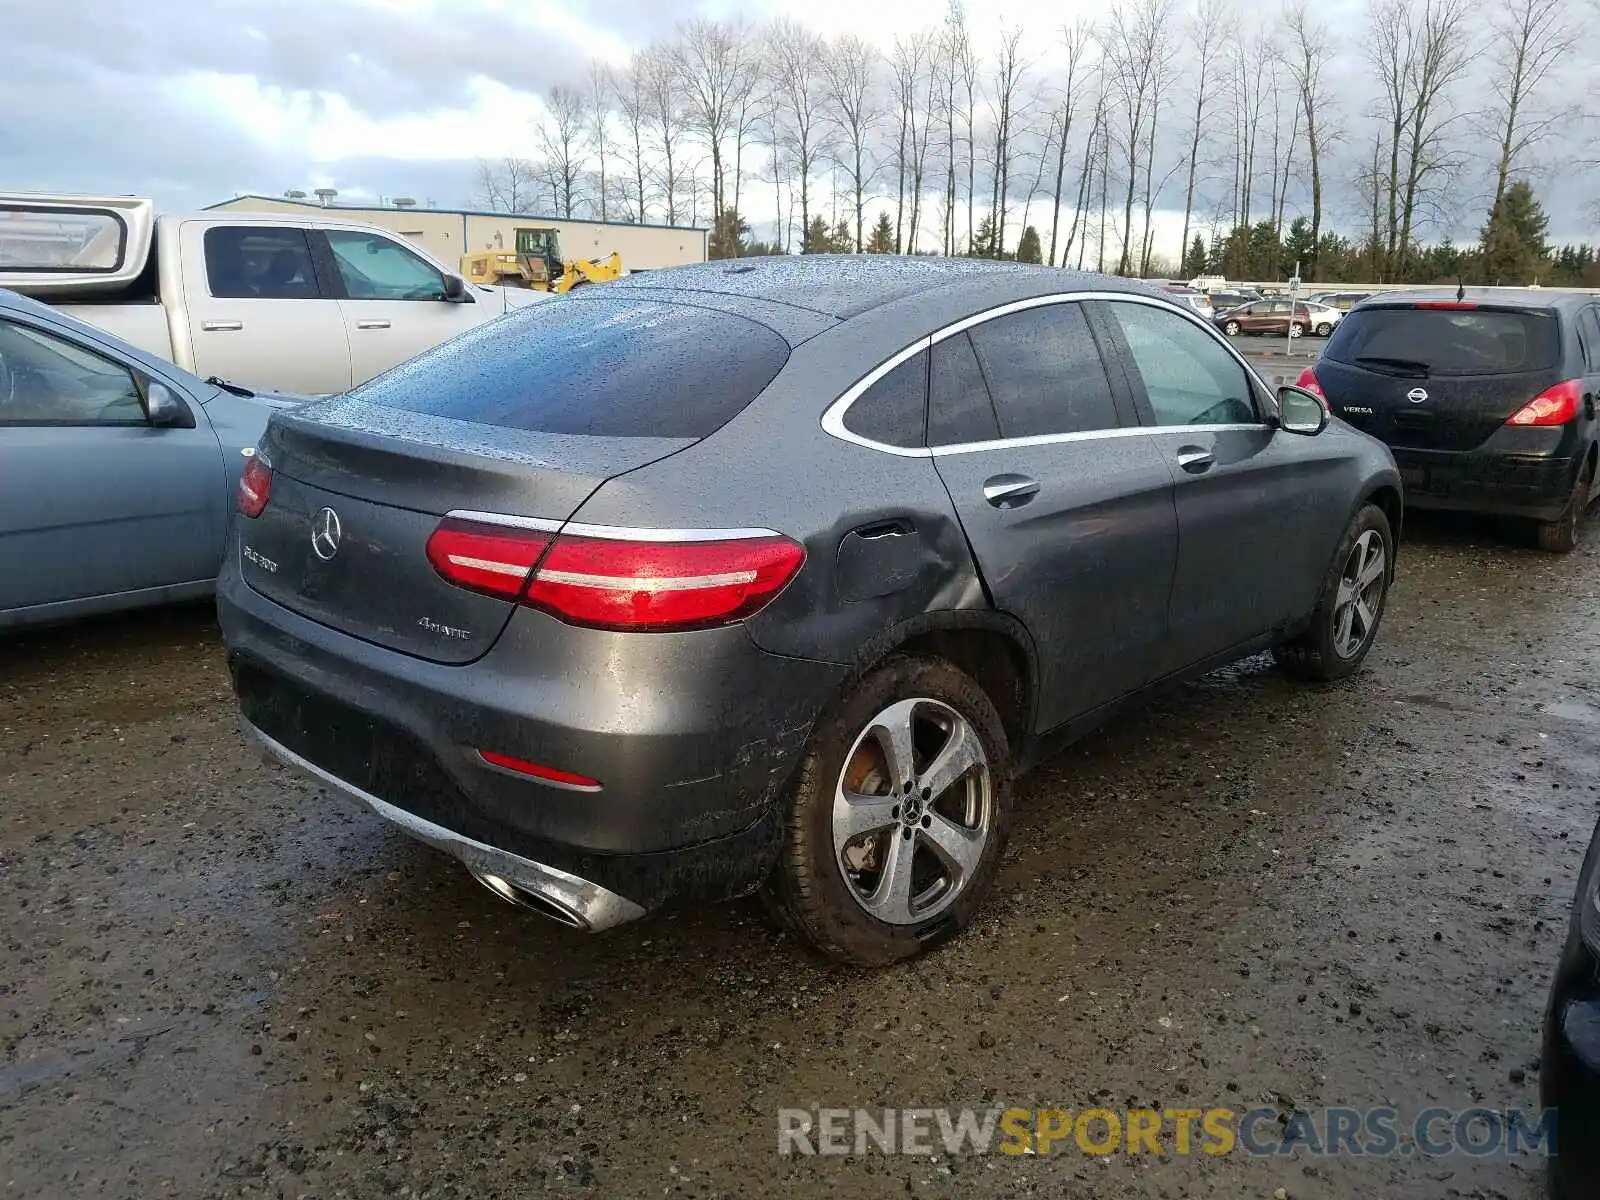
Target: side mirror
x=455, y=288
x=163, y=408
x=1300, y=411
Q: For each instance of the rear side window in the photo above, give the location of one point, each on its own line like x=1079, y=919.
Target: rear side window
x=893, y=410
x=606, y=366
x=1449, y=341
x=1044, y=372
x=958, y=400
x=262, y=263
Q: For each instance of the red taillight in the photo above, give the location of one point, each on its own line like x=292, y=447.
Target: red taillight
x=486, y=558
x=1555, y=405
x=539, y=771
x=615, y=583
x=255, y=487
x=618, y=582
x=1308, y=381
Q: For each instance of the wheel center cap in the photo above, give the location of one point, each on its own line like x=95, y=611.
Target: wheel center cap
x=911, y=811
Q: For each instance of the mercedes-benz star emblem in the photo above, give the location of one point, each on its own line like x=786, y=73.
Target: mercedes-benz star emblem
x=1416, y=395
x=325, y=534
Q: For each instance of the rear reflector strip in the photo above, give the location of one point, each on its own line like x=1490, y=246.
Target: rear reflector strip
x=567, y=779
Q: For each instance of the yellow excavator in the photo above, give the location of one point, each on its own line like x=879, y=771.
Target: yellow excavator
x=537, y=264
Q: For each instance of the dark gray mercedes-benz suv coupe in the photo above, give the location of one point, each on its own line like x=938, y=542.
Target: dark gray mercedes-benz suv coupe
x=773, y=573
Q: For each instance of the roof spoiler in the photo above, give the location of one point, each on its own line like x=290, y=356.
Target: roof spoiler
x=54, y=245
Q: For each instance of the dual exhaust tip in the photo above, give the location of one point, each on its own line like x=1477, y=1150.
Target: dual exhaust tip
x=547, y=905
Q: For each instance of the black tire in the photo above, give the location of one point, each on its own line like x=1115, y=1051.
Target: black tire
x=1562, y=535
x=1323, y=329
x=1296, y=329
x=1231, y=328
x=807, y=891
x=1315, y=653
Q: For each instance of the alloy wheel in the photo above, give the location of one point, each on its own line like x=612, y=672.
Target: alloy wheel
x=1359, y=597
x=913, y=811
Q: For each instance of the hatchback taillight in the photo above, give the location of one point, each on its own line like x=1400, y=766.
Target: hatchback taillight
x=1308, y=381
x=255, y=486
x=620, y=583
x=1556, y=405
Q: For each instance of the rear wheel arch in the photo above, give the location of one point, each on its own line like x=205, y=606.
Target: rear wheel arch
x=1387, y=497
x=994, y=649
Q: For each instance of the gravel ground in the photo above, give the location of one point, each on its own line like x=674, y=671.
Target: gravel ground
x=219, y=980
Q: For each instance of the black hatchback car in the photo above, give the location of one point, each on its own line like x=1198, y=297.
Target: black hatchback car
x=1569, y=1071
x=770, y=574
x=1486, y=397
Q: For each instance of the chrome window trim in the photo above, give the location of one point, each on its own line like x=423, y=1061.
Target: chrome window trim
x=833, y=417
x=616, y=533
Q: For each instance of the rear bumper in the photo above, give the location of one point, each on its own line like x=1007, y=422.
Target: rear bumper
x=1569, y=1073
x=1520, y=485
x=693, y=738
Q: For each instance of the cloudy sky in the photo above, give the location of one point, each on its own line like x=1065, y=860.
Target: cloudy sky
x=194, y=101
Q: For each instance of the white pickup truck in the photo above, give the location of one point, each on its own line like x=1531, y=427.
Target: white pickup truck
x=271, y=301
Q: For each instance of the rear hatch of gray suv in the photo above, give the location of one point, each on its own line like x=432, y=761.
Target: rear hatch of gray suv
x=525, y=416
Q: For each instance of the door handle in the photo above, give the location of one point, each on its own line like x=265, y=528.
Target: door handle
x=372, y=324
x=1195, y=460
x=1009, y=491
x=221, y=326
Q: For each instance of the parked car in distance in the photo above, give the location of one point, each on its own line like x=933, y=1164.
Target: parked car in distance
x=1343, y=301
x=1280, y=317
x=803, y=560
x=272, y=301
x=1486, y=397
x=1198, y=302
x=1569, y=1067
x=1222, y=301
x=117, y=470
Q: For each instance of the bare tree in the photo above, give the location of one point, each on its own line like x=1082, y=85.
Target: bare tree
x=1309, y=48
x=1010, y=68
x=1207, y=32
x=800, y=86
x=561, y=135
x=1137, y=47
x=509, y=185
x=854, y=107
x=665, y=118
x=1530, y=38
x=601, y=88
x=955, y=55
x=712, y=58
x=1077, y=39
x=633, y=106
x=1250, y=57
x=908, y=67
x=1444, y=50
x=1093, y=145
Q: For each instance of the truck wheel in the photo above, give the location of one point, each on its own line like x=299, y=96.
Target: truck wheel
x=898, y=815
x=1350, y=604
x=1561, y=535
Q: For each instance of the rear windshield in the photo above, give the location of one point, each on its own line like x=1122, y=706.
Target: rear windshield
x=613, y=367
x=1449, y=341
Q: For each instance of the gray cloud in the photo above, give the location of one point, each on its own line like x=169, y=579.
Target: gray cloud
x=85, y=112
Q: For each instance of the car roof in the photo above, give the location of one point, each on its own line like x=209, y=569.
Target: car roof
x=1528, y=298
x=844, y=285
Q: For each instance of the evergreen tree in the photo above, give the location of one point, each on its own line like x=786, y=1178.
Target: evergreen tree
x=1195, y=260
x=729, y=235
x=1029, y=249
x=1299, y=248
x=842, y=241
x=983, y=241
x=817, y=240
x=882, y=240
x=1513, y=242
